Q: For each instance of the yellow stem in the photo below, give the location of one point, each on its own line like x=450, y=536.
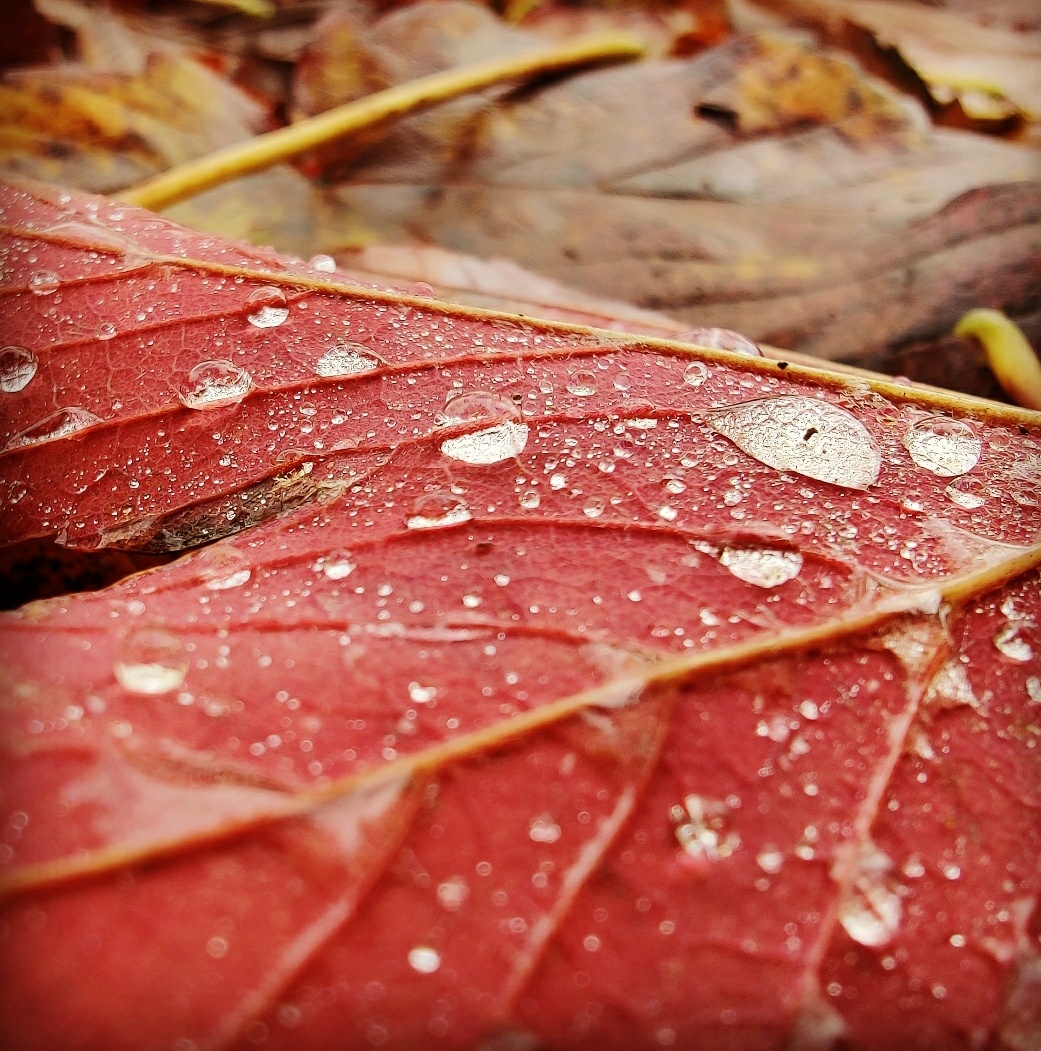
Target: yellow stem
x=276, y=146
x=1010, y=356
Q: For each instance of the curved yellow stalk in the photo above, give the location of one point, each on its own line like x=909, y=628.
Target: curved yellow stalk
x=1010, y=356
x=265, y=150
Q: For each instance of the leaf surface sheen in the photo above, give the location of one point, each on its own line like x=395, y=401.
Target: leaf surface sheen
x=548, y=692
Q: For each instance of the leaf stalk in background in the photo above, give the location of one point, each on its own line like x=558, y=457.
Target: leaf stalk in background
x=263, y=151
x=1010, y=356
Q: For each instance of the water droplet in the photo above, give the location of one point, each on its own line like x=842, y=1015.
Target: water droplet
x=59, y=424
x=217, y=947
x=582, y=384
x=44, y=282
x=543, y=829
x=593, y=507
x=424, y=959
x=557, y=481
x=968, y=493
x=17, y=367
x=436, y=510
x=805, y=435
x=151, y=661
x=452, y=893
x=347, y=359
x=770, y=860
x=764, y=567
x=267, y=307
x=422, y=290
x=419, y=694
x=492, y=445
x=695, y=374
x=106, y=331
x=1013, y=645
x=324, y=263
x=720, y=339
x=943, y=446
x=222, y=568
x=214, y=383
x=871, y=909
x=336, y=565
x=529, y=499
x=701, y=828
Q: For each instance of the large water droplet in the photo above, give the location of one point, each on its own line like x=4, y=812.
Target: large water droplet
x=17, y=367
x=582, y=384
x=871, y=909
x=323, y=263
x=59, y=424
x=221, y=568
x=503, y=441
x=720, y=339
x=529, y=499
x=805, y=435
x=267, y=307
x=424, y=959
x=943, y=446
x=764, y=567
x=214, y=383
x=44, y=282
x=436, y=510
x=347, y=359
x=151, y=661
x=695, y=374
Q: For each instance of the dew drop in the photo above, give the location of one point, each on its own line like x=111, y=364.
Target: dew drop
x=543, y=829
x=968, y=493
x=1010, y=642
x=720, y=339
x=106, y=331
x=770, y=860
x=436, y=510
x=59, y=424
x=44, y=282
x=323, y=263
x=695, y=374
x=347, y=359
x=582, y=384
x=337, y=565
x=151, y=661
x=492, y=445
x=593, y=507
x=222, y=568
x=805, y=435
x=267, y=307
x=214, y=383
x=943, y=446
x=422, y=290
x=529, y=499
x=764, y=567
x=871, y=909
x=17, y=367
x=424, y=959
x=217, y=947
x=452, y=893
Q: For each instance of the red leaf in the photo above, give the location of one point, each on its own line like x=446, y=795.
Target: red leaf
x=586, y=691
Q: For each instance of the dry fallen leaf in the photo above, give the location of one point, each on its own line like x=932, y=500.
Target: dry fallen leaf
x=600, y=691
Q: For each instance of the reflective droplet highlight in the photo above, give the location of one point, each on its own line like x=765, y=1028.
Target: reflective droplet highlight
x=720, y=339
x=437, y=510
x=323, y=263
x=18, y=365
x=347, y=359
x=59, y=424
x=44, y=283
x=337, y=565
x=266, y=307
x=214, y=383
x=870, y=910
x=151, y=661
x=764, y=567
x=424, y=959
x=968, y=493
x=943, y=446
x=805, y=435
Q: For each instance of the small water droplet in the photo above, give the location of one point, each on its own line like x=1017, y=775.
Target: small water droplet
x=106, y=331
x=221, y=568
x=452, y=893
x=44, y=282
x=424, y=959
x=543, y=829
x=1010, y=642
x=557, y=481
x=436, y=510
x=695, y=374
x=347, y=359
x=59, y=424
x=870, y=910
x=529, y=499
x=593, y=507
x=336, y=565
x=266, y=307
x=151, y=661
x=770, y=860
x=214, y=383
x=419, y=694
x=582, y=384
x=720, y=339
x=18, y=365
x=943, y=446
x=764, y=567
x=422, y=290
x=701, y=828
x=217, y=947
x=806, y=435
x=324, y=263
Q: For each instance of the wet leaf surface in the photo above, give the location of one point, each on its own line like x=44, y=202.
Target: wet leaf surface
x=551, y=687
